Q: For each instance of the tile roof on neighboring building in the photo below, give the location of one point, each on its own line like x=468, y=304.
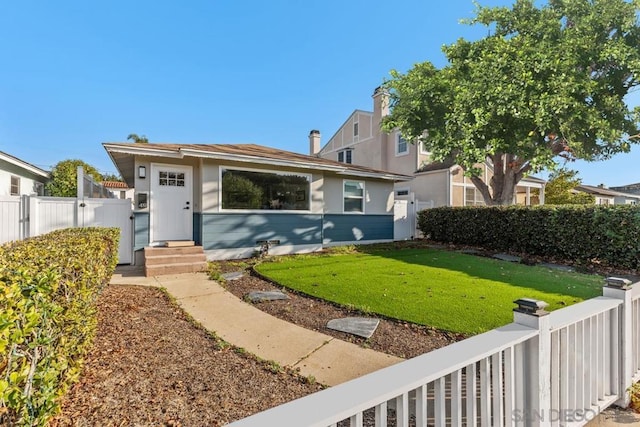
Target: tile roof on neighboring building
x=115, y=184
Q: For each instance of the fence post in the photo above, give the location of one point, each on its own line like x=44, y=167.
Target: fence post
x=537, y=361
x=33, y=225
x=619, y=288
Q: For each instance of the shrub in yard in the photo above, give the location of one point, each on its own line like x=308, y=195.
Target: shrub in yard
x=48, y=288
x=589, y=234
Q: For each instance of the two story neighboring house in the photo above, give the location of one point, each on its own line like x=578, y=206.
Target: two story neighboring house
x=360, y=141
x=18, y=177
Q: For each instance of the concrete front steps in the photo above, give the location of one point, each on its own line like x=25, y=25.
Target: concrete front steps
x=174, y=259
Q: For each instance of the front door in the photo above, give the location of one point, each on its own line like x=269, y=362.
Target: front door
x=171, y=203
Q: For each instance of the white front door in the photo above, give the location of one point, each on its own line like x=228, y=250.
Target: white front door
x=171, y=202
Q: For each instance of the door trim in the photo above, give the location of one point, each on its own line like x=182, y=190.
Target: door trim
x=153, y=186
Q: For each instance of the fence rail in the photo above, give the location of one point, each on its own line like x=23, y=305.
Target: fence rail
x=544, y=369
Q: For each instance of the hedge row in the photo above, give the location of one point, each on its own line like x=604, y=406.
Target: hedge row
x=48, y=288
x=590, y=235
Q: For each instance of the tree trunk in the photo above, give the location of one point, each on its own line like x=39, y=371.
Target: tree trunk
x=508, y=170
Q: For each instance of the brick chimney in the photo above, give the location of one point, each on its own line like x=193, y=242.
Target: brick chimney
x=314, y=142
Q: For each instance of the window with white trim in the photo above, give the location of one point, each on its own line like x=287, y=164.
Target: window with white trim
x=258, y=190
x=473, y=197
x=353, y=194
x=402, y=146
x=423, y=148
x=345, y=156
x=14, y=190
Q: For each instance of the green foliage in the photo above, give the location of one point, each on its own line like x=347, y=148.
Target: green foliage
x=48, y=287
x=591, y=235
x=240, y=192
x=64, y=177
x=559, y=189
x=546, y=81
x=138, y=139
x=447, y=290
x=111, y=177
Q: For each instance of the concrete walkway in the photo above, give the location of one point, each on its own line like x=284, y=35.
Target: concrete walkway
x=329, y=360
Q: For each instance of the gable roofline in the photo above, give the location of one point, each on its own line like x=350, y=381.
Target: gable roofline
x=370, y=113
x=250, y=153
x=24, y=165
x=605, y=192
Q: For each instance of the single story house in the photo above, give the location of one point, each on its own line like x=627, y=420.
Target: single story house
x=230, y=197
x=18, y=178
x=607, y=196
x=119, y=189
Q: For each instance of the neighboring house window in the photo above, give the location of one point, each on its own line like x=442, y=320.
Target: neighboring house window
x=424, y=149
x=604, y=202
x=15, y=185
x=345, y=156
x=244, y=189
x=472, y=197
x=353, y=196
x=402, y=147
x=355, y=129
x=123, y=195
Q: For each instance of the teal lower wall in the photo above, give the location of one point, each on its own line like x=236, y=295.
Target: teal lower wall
x=242, y=230
x=350, y=228
x=141, y=227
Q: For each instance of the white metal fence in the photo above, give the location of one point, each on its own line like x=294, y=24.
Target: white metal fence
x=22, y=217
x=544, y=369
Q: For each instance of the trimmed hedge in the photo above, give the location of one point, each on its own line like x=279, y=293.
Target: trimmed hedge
x=48, y=288
x=590, y=235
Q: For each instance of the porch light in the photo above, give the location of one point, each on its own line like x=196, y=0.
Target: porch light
x=142, y=172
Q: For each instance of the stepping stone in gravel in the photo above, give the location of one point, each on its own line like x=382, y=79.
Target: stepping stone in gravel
x=232, y=276
x=507, y=257
x=438, y=247
x=557, y=267
x=260, y=296
x=469, y=251
x=360, y=326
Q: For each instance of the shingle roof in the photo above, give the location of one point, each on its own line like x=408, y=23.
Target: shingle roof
x=605, y=191
x=252, y=153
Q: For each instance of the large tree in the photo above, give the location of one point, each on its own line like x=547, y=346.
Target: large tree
x=64, y=177
x=560, y=189
x=547, y=81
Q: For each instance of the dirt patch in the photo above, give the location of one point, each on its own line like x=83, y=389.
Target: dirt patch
x=151, y=366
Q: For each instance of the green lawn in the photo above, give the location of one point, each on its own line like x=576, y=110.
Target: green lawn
x=446, y=290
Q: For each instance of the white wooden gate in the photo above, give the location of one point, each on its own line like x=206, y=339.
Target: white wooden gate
x=403, y=220
x=30, y=216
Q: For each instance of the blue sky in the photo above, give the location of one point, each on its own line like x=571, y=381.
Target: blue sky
x=79, y=73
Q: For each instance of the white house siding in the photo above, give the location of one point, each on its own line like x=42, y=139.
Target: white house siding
x=27, y=184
